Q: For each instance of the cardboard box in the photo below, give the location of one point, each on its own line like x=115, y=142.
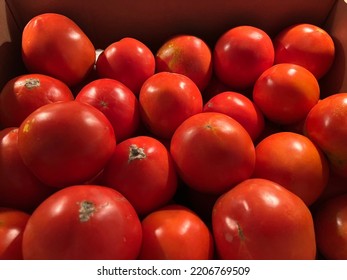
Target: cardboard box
x=153, y=21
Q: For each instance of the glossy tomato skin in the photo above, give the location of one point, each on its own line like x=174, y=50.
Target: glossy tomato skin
x=117, y=102
x=93, y=222
x=307, y=45
x=326, y=126
x=285, y=93
x=212, y=152
x=12, y=224
x=166, y=100
x=240, y=56
x=19, y=188
x=141, y=168
x=175, y=233
x=66, y=143
x=129, y=61
x=54, y=45
x=259, y=219
x=239, y=107
x=330, y=220
x=24, y=94
x=293, y=161
x=187, y=55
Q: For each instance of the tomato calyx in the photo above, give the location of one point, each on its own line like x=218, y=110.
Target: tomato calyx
x=86, y=210
x=32, y=83
x=135, y=153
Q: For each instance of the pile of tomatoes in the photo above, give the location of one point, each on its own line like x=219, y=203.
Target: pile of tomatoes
x=190, y=151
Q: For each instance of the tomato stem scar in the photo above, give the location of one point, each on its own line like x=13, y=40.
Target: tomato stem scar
x=87, y=209
x=136, y=153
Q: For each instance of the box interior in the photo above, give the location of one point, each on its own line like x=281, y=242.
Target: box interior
x=153, y=22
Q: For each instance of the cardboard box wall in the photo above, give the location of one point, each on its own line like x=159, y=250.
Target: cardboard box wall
x=154, y=21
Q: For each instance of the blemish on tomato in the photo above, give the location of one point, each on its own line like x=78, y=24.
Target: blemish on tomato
x=86, y=211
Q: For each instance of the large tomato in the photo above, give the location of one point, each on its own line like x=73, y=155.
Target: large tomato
x=116, y=101
x=83, y=222
x=259, y=219
x=330, y=220
x=24, y=94
x=307, y=45
x=285, y=93
x=293, y=161
x=54, y=45
x=166, y=100
x=141, y=168
x=12, y=224
x=129, y=61
x=19, y=188
x=240, y=108
x=326, y=126
x=241, y=54
x=187, y=55
x=175, y=232
x=212, y=152
x=66, y=143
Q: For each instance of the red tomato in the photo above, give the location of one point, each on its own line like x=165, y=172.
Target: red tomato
x=187, y=55
x=293, y=161
x=166, y=100
x=239, y=107
x=24, y=94
x=331, y=227
x=117, y=102
x=19, y=188
x=66, y=143
x=285, y=93
x=175, y=233
x=307, y=45
x=241, y=54
x=12, y=224
x=259, y=219
x=54, y=45
x=212, y=152
x=83, y=222
x=326, y=126
x=129, y=61
x=141, y=169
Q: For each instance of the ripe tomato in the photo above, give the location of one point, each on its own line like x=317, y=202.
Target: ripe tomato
x=129, y=61
x=326, y=126
x=141, y=168
x=117, y=102
x=239, y=107
x=187, y=55
x=12, y=224
x=166, y=100
x=241, y=54
x=307, y=45
x=66, y=143
x=212, y=152
x=24, y=94
x=293, y=161
x=330, y=220
x=285, y=93
x=19, y=188
x=175, y=233
x=54, y=45
x=83, y=222
x=259, y=219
